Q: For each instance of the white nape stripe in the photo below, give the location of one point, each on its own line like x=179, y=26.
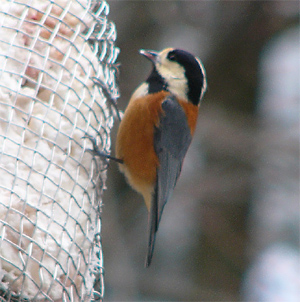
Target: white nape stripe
x=204, y=77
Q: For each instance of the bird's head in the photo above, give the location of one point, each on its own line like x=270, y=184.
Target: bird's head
x=178, y=72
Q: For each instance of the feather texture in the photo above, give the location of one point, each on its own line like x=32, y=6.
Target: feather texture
x=172, y=138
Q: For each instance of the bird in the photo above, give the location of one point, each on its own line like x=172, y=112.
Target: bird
x=157, y=129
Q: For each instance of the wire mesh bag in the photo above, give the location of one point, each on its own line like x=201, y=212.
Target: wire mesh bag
x=50, y=187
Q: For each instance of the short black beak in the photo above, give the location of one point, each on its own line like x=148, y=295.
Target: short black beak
x=149, y=54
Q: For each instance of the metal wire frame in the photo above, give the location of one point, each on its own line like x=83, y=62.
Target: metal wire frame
x=50, y=187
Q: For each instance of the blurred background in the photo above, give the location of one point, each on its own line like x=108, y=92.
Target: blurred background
x=231, y=230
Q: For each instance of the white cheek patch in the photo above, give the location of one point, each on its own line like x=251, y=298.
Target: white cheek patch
x=179, y=87
x=174, y=74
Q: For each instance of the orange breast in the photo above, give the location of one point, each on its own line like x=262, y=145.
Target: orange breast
x=135, y=141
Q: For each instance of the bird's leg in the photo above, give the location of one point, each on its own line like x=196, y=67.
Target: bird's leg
x=97, y=152
x=108, y=95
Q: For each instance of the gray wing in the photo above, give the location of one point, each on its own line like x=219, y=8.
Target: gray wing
x=171, y=141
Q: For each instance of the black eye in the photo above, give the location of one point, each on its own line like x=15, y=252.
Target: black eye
x=172, y=56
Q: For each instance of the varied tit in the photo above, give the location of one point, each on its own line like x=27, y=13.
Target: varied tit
x=157, y=128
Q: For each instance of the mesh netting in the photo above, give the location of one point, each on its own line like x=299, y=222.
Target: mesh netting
x=50, y=187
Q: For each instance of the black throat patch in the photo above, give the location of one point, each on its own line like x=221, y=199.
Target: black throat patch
x=156, y=82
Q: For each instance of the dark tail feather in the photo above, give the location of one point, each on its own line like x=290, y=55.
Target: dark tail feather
x=152, y=236
x=153, y=226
